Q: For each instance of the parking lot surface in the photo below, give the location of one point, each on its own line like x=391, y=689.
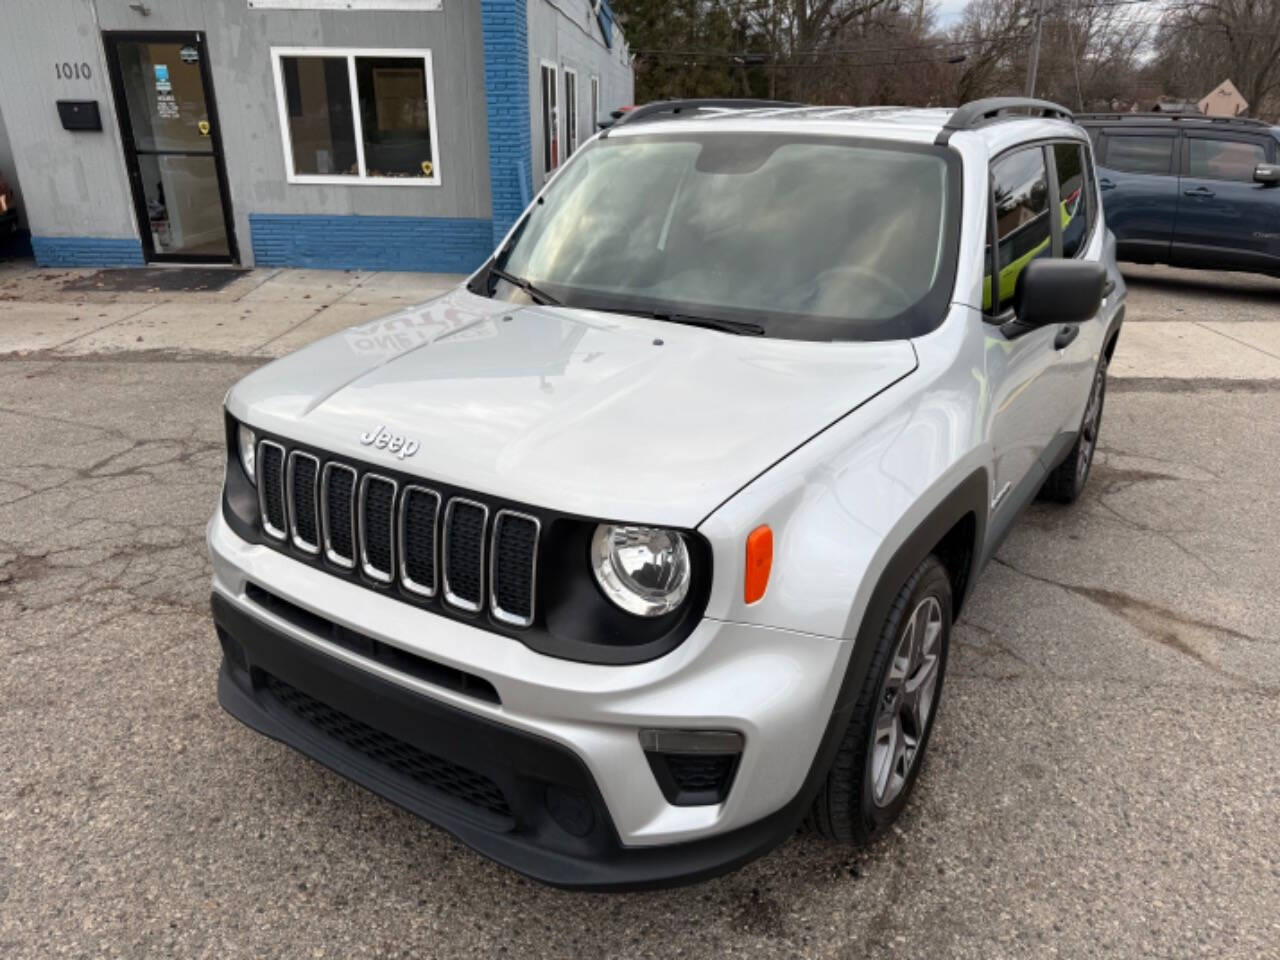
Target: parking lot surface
x=1105, y=773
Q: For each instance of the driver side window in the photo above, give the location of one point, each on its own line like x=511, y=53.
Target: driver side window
x=1020, y=187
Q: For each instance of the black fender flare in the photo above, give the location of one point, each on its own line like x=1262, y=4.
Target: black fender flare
x=970, y=496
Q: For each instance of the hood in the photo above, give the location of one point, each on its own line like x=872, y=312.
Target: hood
x=597, y=414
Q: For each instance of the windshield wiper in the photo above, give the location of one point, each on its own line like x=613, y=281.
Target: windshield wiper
x=538, y=296
x=742, y=328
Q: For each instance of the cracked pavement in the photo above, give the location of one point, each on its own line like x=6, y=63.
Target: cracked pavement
x=1104, y=780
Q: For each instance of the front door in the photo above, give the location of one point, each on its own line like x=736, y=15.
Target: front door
x=1026, y=411
x=172, y=146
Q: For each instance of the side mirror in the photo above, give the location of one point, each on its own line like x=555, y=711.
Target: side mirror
x=1266, y=174
x=1059, y=291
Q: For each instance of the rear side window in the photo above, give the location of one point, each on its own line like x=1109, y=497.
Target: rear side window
x=1223, y=159
x=1132, y=153
x=1021, y=186
x=1071, y=162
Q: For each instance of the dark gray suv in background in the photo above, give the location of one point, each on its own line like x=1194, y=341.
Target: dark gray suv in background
x=1190, y=190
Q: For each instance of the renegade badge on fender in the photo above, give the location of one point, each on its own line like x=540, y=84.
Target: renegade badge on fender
x=645, y=545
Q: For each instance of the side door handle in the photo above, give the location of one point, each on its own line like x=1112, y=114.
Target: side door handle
x=1106, y=184
x=1109, y=289
x=1065, y=335
x=1199, y=192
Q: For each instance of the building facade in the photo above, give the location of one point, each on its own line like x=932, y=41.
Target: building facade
x=363, y=134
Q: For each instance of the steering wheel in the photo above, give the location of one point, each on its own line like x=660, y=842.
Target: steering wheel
x=891, y=292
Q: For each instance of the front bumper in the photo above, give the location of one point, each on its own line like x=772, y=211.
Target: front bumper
x=562, y=743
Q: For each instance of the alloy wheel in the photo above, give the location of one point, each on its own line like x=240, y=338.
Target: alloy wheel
x=1089, y=429
x=906, y=701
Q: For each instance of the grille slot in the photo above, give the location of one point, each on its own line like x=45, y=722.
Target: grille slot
x=419, y=513
x=271, y=488
x=451, y=779
x=464, y=523
x=304, y=524
x=377, y=523
x=512, y=573
x=338, y=514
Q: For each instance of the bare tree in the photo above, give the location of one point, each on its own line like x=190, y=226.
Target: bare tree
x=801, y=31
x=994, y=34
x=1203, y=42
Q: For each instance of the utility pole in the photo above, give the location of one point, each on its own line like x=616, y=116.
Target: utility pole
x=1035, y=52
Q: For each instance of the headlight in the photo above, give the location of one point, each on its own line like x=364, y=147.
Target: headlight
x=644, y=570
x=247, y=444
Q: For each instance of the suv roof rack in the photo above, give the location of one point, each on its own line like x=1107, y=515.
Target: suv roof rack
x=677, y=107
x=1156, y=116
x=978, y=113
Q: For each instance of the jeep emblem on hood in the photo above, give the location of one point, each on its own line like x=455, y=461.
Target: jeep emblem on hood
x=402, y=447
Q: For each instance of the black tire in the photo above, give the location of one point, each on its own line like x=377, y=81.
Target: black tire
x=1066, y=482
x=846, y=809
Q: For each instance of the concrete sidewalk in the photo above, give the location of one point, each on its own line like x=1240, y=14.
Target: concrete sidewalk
x=1181, y=324
x=264, y=313
x=1201, y=325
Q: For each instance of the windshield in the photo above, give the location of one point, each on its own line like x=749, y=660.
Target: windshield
x=807, y=237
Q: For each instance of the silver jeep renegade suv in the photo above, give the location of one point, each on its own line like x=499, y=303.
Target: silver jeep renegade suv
x=643, y=546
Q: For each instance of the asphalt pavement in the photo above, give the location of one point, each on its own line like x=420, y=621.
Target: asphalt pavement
x=1104, y=779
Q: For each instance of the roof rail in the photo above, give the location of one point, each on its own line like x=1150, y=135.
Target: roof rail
x=1182, y=117
x=978, y=113
x=680, y=106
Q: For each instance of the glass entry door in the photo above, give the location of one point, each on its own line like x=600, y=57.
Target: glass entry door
x=172, y=147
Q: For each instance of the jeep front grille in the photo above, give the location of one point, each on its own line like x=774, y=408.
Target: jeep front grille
x=400, y=533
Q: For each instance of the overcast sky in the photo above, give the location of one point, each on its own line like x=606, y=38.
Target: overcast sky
x=949, y=12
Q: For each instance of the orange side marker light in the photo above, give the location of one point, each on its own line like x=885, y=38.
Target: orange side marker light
x=759, y=563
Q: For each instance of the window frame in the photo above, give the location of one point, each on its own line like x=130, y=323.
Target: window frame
x=571, y=138
x=549, y=164
x=1087, y=188
x=361, y=179
x=994, y=313
x=1222, y=136
x=1175, y=158
x=595, y=105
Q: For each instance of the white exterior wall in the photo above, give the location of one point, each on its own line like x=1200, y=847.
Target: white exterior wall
x=567, y=34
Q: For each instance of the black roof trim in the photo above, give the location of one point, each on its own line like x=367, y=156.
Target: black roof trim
x=1156, y=117
x=677, y=107
x=979, y=113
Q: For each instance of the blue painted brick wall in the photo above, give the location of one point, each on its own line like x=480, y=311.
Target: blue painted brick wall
x=370, y=243
x=87, y=251
x=506, y=87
